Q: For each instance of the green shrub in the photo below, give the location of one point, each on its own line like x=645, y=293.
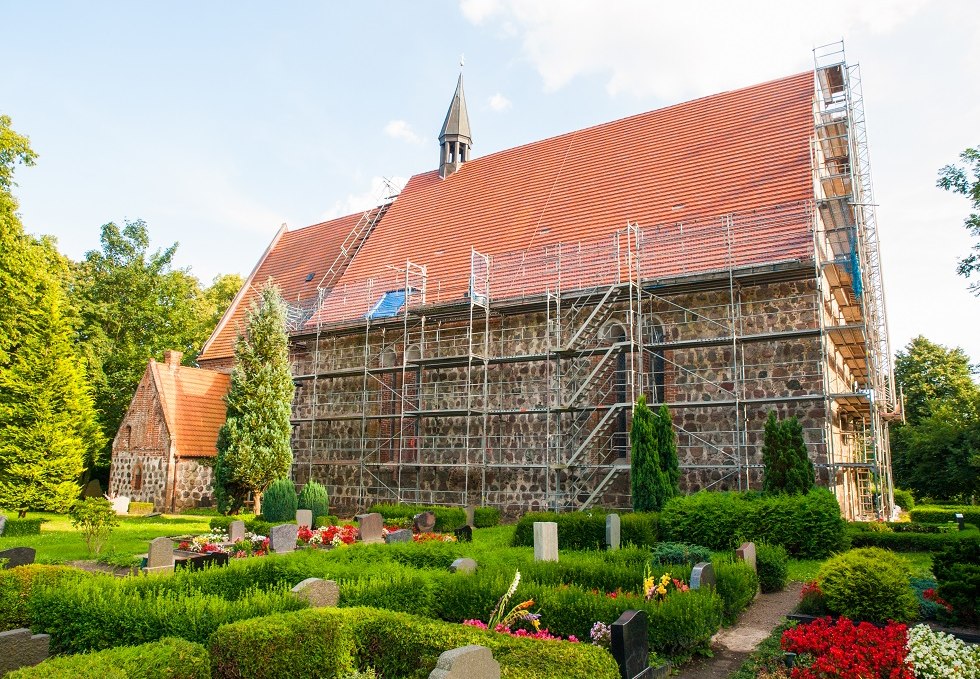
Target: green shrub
x=165, y=659
x=279, y=502
x=957, y=571
x=904, y=499
x=908, y=541
x=772, y=563
x=140, y=508
x=934, y=514
x=328, y=642
x=868, y=584
x=737, y=586
x=314, y=497
x=19, y=527
x=328, y=520
x=96, y=518
x=448, y=519
x=486, y=517
x=640, y=529
x=16, y=585
x=587, y=530
x=679, y=553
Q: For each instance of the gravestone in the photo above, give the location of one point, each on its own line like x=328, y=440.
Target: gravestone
x=703, y=575
x=18, y=556
x=160, y=557
x=120, y=504
x=613, y=528
x=630, y=645
x=468, y=662
x=545, y=541
x=320, y=593
x=282, y=538
x=200, y=561
x=960, y=521
x=3, y=523
x=400, y=535
x=92, y=489
x=19, y=648
x=463, y=566
x=746, y=553
x=425, y=522
x=369, y=526
x=304, y=517
x=471, y=516
x=464, y=534
x=236, y=531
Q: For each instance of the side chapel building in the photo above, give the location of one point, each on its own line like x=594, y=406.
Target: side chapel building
x=483, y=336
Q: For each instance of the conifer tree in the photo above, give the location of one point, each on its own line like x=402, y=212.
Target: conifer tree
x=800, y=473
x=644, y=467
x=253, y=445
x=667, y=454
x=773, y=462
x=787, y=465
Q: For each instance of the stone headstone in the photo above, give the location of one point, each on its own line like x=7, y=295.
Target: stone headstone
x=160, y=557
x=471, y=516
x=369, y=526
x=3, y=523
x=464, y=534
x=282, y=538
x=630, y=645
x=959, y=521
x=400, y=535
x=92, y=489
x=463, y=566
x=703, y=575
x=468, y=662
x=425, y=522
x=197, y=562
x=152, y=515
x=746, y=553
x=320, y=593
x=18, y=556
x=120, y=504
x=304, y=517
x=545, y=541
x=613, y=529
x=236, y=531
x=19, y=648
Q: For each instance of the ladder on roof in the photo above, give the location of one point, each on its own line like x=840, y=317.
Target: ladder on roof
x=349, y=248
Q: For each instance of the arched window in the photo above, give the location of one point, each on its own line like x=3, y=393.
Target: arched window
x=137, y=482
x=127, y=438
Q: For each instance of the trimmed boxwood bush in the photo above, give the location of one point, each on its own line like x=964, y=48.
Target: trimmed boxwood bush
x=868, y=584
x=327, y=642
x=904, y=499
x=934, y=514
x=140, y=508
x=165, y=659
x=587, y=530
x=448, y=519
x=737, y=586
x=279, y=502
x=679, y=553
x=772, y=563
x=486, y=517
x=862, y=536
x=19, y=527
x=314, y=497
x=808, y=526
x=16, y=585
x=957, y=570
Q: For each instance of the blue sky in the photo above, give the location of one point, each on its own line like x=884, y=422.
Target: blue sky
x=217, y=122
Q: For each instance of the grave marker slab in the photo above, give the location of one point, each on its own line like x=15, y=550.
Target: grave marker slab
x=197, y=562
x=464, y=534
x=320, y=593
x=468, y=662
x=120, y=504
x=613, y=531
x=369, y=526
x=19, y=648
x=959, y=521
x=3, y=522
x=160, y=557
x=400, y=535
x=236, y=531
x=703, y=575
x=92, y=489
x=631, y=646
x=282, y=538
x=425, y=522
x=18, y=556
x=471, y=516
x=746, y=553
x=304, y=517
x=463, y=566
x=545, y=541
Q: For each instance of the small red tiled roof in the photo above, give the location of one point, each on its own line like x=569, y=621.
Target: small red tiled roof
x=193, y=406
x=732, y=152
x=290, y=259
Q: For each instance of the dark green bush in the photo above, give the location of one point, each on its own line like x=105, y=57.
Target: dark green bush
x=327, y=642
x=587, y=530
x=904, y=499
x=957, y=570
x=737, y=586
x=772, y=562
x=328, y=520
x=910, y=542
x=641, y=529
x=165, y=659
x=868, y=584
x=486, y=517
x=448, y=519
x=16, y=585
x=279, y=502
x=933, y=514
x=679, y=553
x=432, y=554
x=19, y=527
x=314, y=497
x=706, y=518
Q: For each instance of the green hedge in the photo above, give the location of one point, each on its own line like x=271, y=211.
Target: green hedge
x=486, y=517
x=448, y=519
x=18, y=527
x=328, y=642
x=904, y=499
x=16, y=585
x=772, y=562
x=587, y=530
x=910, y=542
x=253, y=524
x=808, y=526
x=737, y=586
x=165, y=659
x=140, y=508
x=933, y=514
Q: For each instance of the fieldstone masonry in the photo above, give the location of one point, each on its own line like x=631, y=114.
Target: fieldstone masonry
x=545, y=541
x=468, y=662
x=19, y=648
x=320, y=593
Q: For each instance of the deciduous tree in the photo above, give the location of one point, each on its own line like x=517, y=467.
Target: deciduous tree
x=965, y=180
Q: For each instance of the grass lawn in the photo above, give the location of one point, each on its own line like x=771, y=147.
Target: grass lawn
x=803, y=570
x=59, y=542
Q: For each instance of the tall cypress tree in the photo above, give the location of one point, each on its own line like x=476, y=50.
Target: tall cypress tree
x=787, y=465
x=253, y=444
x=644, y=467
x=774, y=465
x=667, y=454
x=800, y=473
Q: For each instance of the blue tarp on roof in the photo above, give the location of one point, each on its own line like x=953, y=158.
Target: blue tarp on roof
x=389, y=305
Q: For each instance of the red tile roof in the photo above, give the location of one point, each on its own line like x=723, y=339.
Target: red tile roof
x=732, y=152
x=193, y=406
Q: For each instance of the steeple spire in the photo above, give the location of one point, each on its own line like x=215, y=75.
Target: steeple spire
x=455, y=139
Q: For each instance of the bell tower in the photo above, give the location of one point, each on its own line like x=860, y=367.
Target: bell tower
x=455, y=140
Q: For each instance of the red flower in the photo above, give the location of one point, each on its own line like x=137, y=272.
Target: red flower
x=843, y=650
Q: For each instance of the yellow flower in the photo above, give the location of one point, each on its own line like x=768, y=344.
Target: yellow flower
x=648, y=584
x=537, y=625
x=665, y=579
x=661, y=590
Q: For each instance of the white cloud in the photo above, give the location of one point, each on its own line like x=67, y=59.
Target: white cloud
x=672, y=52
x=358, y=202
x=499, y=102
x=400, y=129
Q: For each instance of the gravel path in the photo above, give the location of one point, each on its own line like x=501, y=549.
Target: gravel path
x=732, y=645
